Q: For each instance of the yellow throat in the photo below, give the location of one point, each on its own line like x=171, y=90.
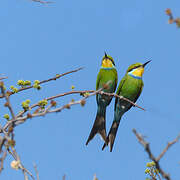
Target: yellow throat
x=106, y=63
x=138, y=72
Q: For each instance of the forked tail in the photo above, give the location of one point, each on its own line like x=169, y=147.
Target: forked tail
x=99, y=125
x=112, y=135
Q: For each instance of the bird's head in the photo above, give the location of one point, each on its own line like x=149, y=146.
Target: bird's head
x=137, y=69
x=107, y=61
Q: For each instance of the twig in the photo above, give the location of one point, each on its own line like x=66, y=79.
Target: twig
x=1, y=78
x=2, y=160
x=17, y=158
x=64, y=177
x=7, y=104
x=83, y=92
x=151, y=156
x=44, y=81
x=2, y=141
x=19, y=119
x=171, y=18
x=121, y=97
x=167, y=147
x=36, y=170
x=43, y=2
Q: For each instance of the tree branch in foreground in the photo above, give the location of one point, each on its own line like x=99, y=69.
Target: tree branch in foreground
x=151, y=156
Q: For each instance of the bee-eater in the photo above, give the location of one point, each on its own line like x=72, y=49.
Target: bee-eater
x=107, y=74
x=130, y=87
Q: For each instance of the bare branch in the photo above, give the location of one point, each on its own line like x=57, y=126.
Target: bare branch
x=36, y=170
x=64, y=177
x=1, y=78
x=171, y=18
x=17, y=158
x=121, y=97
x=151, y=156
x=2, y=160
x=43, y=2
x=168, y=146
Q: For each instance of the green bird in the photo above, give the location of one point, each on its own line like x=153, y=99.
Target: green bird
x=130, y=87
x=107, y=74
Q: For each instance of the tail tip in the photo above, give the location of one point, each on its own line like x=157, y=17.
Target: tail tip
x=87, y=142
x=104, y=146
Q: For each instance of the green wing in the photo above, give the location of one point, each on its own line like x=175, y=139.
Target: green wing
x=98, y=81
x=119, y=89
x=139, y=92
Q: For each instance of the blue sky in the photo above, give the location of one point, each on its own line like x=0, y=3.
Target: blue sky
x=39, y=41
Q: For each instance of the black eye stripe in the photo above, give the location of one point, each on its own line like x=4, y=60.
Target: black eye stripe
x=134, y=68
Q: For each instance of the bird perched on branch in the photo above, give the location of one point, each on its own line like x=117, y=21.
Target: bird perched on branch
x=106, y=76
x=130, y=87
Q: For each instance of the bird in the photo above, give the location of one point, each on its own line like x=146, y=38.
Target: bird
x=106, y=76
x=130, y=87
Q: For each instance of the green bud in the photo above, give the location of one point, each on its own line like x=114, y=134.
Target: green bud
x=39, y=87
x=72, y=87
x=20, y=83
x=6, y=116
x=147, y=171
x=28, y=101
x=25, y=105
x=12, y=87
x=15, y=90
x=43, y=103
x=27, y=83
x=36, y=82
x=148, y=164
x=153, y=163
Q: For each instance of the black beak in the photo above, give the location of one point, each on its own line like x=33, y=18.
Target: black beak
x=146, y=63
x=105, y=55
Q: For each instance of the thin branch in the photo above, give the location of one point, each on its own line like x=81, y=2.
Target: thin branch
x=19, y=119
x=64, y=177
x=172, y=19
x=1, y=78
x=151, y=156
x=121, y=97
x=83, y=92
x=17, y=158
x=2, y=160
x=7, y=104
x=2, y=141
x=36, y=170
x=167, y=147
x=43, y=2
x=44, y=81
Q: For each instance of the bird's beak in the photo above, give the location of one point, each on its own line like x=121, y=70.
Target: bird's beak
x=105, y=55
x=146, y=63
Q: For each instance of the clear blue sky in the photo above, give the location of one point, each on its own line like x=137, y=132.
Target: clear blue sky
x=39, y=41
